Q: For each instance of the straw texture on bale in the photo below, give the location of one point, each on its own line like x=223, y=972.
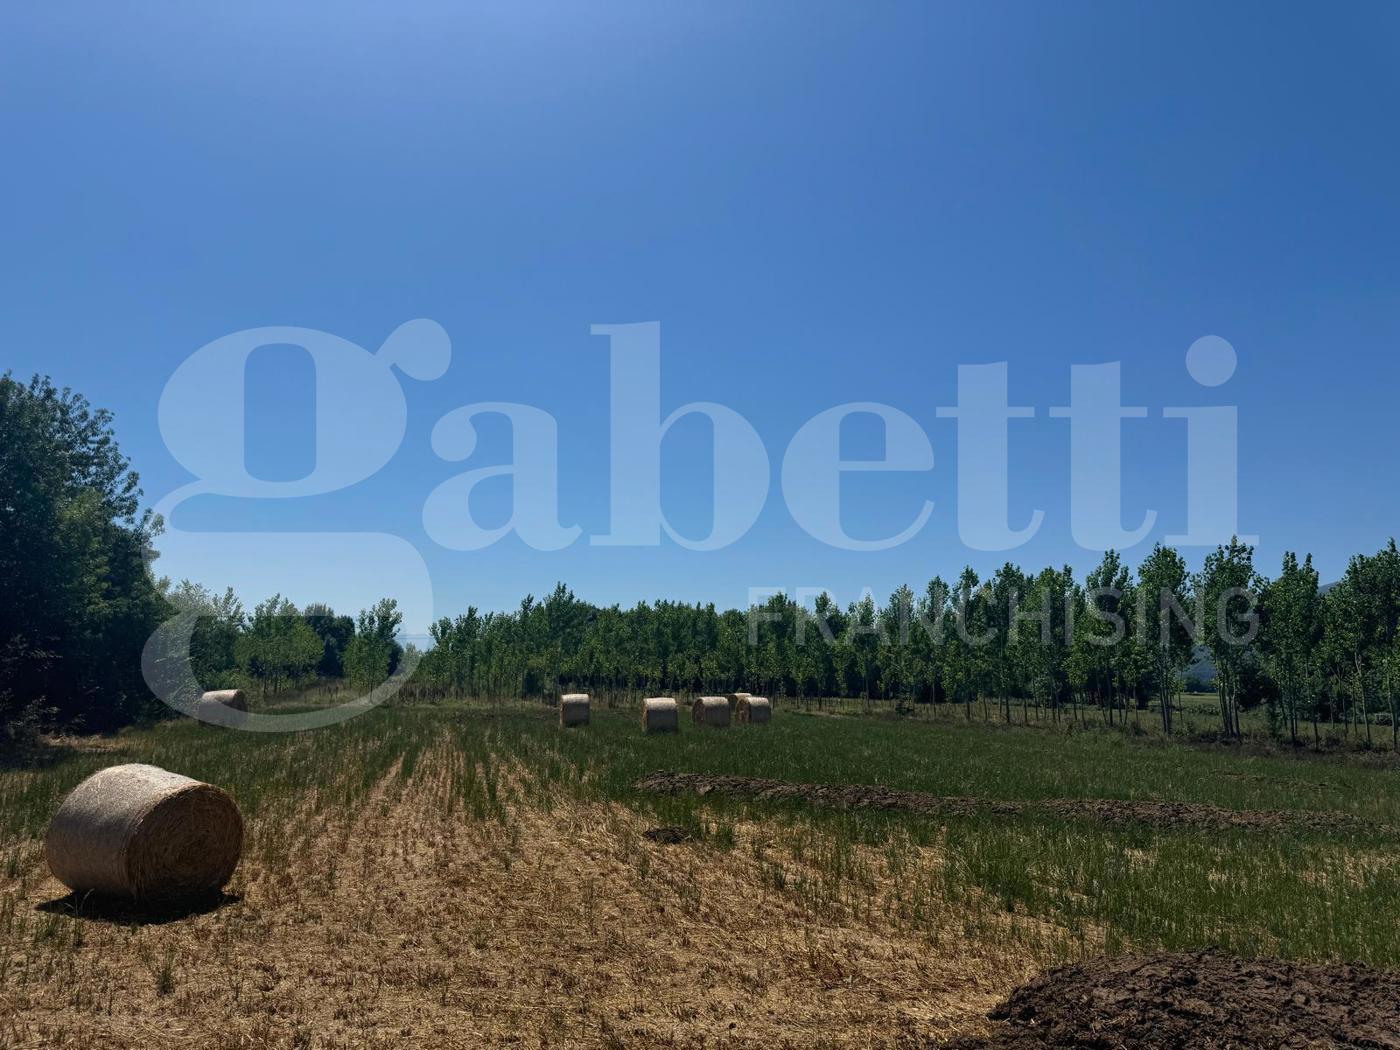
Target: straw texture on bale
x=754, y=710
x=574, y=709
x=222, y=707
x=711, y=711
x=144, y=833
x=661, y=714
x=734, y=699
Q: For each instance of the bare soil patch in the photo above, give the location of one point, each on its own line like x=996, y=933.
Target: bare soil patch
x=1201, y=999
x=1105, y=810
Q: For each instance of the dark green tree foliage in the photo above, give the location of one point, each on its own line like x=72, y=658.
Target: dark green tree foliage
x=279, y=648
x=1100, y=664
x=1165, y=631
x=1227, y=590
x=335, y=633
x=1290, y=635
x=374, y=653
x=214, y=642
x=1360, y=617
x=1387, y=637
x=76, y=602
x=77, y=607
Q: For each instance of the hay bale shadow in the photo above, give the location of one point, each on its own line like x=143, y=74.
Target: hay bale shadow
x=121, y=912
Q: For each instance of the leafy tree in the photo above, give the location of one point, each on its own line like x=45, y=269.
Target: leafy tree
x=1385, y=596
x=214, y=642
x=865, y=634
x=896, y=620
x=335, y=633
x=1292, y=630
x=279, y=647
x=373, y=654
x=1352, y=626
x=1042, y=639
x=1164, y=634
x=76, y=602
x=964, y=656
x=1101, y=644
x=929, y=638
x=1005, y=592
x=1226, y=587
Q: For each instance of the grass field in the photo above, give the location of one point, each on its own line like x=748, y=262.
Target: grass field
x=469, y=876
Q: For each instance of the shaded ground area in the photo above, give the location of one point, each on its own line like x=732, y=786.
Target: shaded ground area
x=128, y=913
x=1106, y=810
x=1198, y=999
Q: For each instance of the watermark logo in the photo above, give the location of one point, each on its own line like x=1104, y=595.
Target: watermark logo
x=361, y=418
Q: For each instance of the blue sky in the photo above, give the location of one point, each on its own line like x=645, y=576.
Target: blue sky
x=819, y=203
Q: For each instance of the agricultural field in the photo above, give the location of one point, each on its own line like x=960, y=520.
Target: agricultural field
x=465, y=875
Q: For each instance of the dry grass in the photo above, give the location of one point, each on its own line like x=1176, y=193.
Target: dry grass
x=408, y=921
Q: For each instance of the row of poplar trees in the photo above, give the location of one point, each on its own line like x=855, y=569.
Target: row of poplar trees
x=77, y=604
x=1116, y=643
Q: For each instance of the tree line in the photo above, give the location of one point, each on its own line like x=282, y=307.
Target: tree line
x=278, y=647
x=78, y=602
x=77, y=605
x=1117, y=643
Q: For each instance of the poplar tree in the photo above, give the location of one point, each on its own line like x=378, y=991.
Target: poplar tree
x=1164, y=632
x=1289, y=638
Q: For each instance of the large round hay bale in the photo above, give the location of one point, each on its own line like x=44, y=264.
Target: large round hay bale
x=754, y=710
x=224, y=707
x=144, y=833
x=233, y=698
x=711, y=711
x=661, y=714
x=574, y=709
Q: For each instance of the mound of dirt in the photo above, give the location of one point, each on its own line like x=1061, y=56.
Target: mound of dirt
x=1105, y=810
x=1203, y=999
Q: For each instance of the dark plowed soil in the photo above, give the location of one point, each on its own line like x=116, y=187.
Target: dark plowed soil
x=1108, y=811
x=1198, y=999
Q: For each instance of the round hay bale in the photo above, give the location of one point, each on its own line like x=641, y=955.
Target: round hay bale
x=233, y=698
x=754, y=710
x=225, y=707
x=574, y=709
x=660, y=714
x=144, y=833
x=711, y=711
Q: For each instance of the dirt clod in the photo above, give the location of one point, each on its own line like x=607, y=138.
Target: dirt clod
x=1161, y=813
x=667, y=835
x=1204, y=999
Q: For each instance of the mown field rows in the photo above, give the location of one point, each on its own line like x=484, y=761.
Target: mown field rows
x=499, y=805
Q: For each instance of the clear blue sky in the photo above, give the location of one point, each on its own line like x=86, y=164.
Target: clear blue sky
x=820, y=204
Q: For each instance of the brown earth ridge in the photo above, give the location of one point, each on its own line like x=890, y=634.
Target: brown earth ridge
x=1106, y=810
x=1204, y=999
